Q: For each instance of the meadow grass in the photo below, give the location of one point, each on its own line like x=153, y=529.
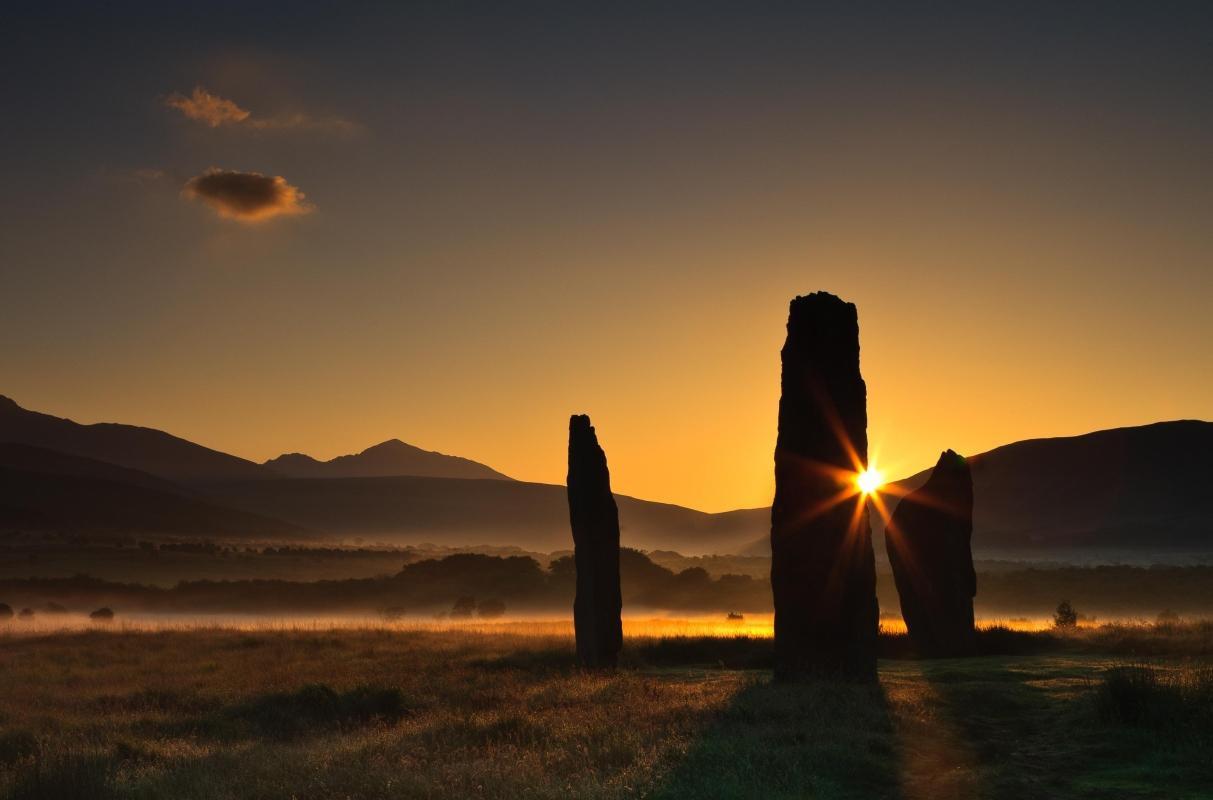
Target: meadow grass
x=370, y=712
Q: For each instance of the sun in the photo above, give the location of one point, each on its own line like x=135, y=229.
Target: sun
x=869, y=480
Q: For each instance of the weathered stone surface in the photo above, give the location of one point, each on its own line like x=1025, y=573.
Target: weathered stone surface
x=595, y=522
x=823, y=572
x=928, y=540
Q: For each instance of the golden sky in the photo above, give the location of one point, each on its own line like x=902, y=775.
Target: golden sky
x=458, y=230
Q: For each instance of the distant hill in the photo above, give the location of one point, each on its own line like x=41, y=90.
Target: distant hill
x=447, y=511
x=1145, y=487
x=28, y=458
x=44, y=490
x=390, y=458
x=144, y=449
x=1136, y=488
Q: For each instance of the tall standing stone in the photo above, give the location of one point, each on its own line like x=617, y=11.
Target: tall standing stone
x=929, y=543
x=595, y=522
x=823, y=573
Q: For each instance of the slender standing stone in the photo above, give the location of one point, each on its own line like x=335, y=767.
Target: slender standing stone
x=823, y=573
x=595, y=522
x=929, y=541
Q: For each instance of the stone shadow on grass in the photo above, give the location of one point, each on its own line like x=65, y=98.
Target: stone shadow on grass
x=737, y=652
x=1024, y=740
x=826, y=739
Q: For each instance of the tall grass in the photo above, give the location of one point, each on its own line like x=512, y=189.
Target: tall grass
x=384, y=711
x=1166, y=700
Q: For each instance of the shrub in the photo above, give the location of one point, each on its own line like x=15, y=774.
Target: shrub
x=463, y=607
x=491, y=609
x=26, y=613
x=102, y=615
x=1065, y=616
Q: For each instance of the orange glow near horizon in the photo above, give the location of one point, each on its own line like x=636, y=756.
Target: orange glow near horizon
x=1024, y=232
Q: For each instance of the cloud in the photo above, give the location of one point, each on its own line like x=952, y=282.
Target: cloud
x=246, y=196
x=207, y=108
x=214, y=111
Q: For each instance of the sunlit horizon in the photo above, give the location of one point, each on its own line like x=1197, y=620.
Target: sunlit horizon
x=428, y=267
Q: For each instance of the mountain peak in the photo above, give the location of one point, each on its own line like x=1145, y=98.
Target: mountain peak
x=391, y=445
x=389, y=458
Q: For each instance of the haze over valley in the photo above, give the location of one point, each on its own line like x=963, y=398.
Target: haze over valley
x=1136, y=491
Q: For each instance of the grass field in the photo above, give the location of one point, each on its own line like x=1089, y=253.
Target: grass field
x=370, y=712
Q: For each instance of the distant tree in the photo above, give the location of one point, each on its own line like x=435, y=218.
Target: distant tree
x=392, y=613
x=1065, y=616
x=563, y=567
x=54, y=608
x=463, y=608
x=693, y=578
x=102, y=615
x=6, y=611
x=514, y=577
x=1167, y=617
x=491, y=609
x=26, y=613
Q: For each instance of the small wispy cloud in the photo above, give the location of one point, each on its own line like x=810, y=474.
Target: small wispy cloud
x=247, y=197
x=209, y=109
x=215, y=111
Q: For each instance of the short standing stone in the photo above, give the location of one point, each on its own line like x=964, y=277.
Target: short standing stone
x=929, y=544
x=594, y=519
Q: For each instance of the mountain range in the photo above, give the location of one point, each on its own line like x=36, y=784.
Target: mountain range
x=144, y=449
x=44, y=489
x=1141, y=487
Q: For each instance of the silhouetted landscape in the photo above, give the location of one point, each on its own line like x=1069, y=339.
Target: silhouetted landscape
x=712, y=401
x=84, y=533
x=1125, y=489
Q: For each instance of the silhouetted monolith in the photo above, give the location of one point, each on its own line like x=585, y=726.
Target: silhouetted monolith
x=823, y=572
x=928, y=540
x=595, y=522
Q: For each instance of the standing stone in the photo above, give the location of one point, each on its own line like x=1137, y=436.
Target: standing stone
x=823, y=573
x=595, y=522
x=929, y=544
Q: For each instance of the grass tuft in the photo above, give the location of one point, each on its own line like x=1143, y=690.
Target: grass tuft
x=317, y=708
x=68, y=777
x=17, y=745
x=1162, y=700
